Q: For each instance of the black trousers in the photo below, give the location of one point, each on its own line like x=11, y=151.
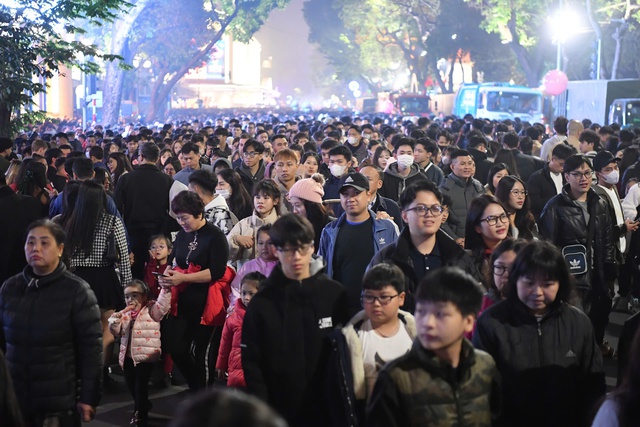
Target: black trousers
x=596, y=305
x=137, y=379
x=194, y=350
x=63, y=419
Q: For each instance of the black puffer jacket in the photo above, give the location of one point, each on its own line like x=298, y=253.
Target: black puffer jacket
x=398, y=253
x=551, y=370
x=51, y=334
x=562, y=222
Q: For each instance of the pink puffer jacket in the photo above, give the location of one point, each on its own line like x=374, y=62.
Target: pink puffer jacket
x=145, y=338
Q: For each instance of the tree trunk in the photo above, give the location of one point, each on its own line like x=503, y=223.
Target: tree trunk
x=161, y=90
x=112, y=90
x=617, y=36
x=5, y=121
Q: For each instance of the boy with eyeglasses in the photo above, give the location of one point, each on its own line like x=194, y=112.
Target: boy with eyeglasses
x=251, y=169
x=422, y=246
x=379, y=333
x=284, y=335
x=578, y=222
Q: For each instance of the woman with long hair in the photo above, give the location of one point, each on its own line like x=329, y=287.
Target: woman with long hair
x=512, y=192
x=306, y=200
x=499, y=265
x=230, y=187
x=118, y=165
x=505, y=156
x=88, y=229
x=34, y=183
x=381, y=157
x=309, y=164
x=496, y=173
x=487, y=225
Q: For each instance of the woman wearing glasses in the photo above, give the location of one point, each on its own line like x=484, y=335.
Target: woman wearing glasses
x=512, y=193
x=487, y=225
x=500, y=262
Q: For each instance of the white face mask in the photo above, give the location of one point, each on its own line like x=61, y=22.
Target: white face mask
x=366, y=135
x=224, y=193
x=352, y=140
x=405, y=160
x=612, y=177
x=337, y=170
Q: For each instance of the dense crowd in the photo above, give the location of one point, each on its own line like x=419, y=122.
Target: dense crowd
x=344, y=270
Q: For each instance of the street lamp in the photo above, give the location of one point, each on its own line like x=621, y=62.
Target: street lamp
x=565, y=23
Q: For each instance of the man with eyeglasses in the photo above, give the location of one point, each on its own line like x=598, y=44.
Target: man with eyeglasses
x=348, y=243
x=422, y=246
x=578, y=222
x=251, y=169
x=462, y=187
x=284, y=335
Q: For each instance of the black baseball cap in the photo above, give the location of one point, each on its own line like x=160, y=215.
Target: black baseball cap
x=602, y=159
x=355, y=180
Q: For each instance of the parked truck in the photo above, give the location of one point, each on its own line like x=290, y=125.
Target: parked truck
x=601, y=101
x=499, y=101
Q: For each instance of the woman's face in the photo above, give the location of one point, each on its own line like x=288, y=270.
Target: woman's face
x=382, y=160
x=493, y=234
x=42, y=251
x=189, y=222
x=517, y=196
x=298, y=207
x=498, y=176
x=169, y=169
x=502, y=264
x=164, y=157
x=176, y=148
x=113, y=149
x=310, y=166
x=263, y=204
x=112, y=164
x=222, y=184
x=183, y=163
x=537, y=292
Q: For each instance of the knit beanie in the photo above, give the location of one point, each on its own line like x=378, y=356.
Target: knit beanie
x=308, y=189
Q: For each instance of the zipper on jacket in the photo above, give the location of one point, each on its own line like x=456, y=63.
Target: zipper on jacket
x=540, y=343
x=456, y=395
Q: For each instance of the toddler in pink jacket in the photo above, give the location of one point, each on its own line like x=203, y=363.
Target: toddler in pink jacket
x=229, y=353
x=138, y=325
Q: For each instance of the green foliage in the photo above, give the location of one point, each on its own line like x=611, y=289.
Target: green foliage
x=36, y=37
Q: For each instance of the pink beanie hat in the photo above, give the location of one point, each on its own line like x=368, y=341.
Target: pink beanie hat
x=308, y=189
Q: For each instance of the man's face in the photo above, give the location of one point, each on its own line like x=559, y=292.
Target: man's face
x=375, y=183
x=338, y=160
x=191, y=160
x=132, y=146
x=263, y=137
x=463, y=166
x=325, y=156
x=251, y=129
x=91, y=141
x=442, y=141
x=556, y=165
x=286, y=169
x=237, y=132
x=422, y=225
x=251, y=157
x=420, y=154
x=353, y=133
x=404, y=150
x=440, y=324
x=611, y=167
x=378, y=312
x=354, y=202
x=580, y=179
x=279, y=144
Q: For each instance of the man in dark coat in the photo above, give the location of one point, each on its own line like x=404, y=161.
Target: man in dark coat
x=548, y=181
x=525, y=163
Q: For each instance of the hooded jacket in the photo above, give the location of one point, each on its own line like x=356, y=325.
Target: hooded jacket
x=248, y=227
x=143, y=338
x=462, y=192
x=249, y=179
x=562, y=222
x=393, y=184
x=52, y=339
x=346, y=376
x=420, y=389
x=217, y=213
x=284, y=345
x=551, y=369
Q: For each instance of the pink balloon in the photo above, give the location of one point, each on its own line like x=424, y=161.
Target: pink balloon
x=555, y=82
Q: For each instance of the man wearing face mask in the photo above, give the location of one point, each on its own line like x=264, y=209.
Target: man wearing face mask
x=340, y=162
x=355, y=144
x=403, y=172
x=606, y=166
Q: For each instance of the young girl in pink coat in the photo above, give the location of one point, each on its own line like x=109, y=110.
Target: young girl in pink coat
x=229, y=358
x=138, y=325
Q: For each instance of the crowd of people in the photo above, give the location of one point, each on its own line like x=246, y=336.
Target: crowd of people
x=346, y=271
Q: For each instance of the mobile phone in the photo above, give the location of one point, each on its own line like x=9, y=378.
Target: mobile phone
x=155, y=273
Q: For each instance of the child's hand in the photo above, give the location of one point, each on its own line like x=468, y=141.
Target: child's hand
x=244, y=241
x=220, y=374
